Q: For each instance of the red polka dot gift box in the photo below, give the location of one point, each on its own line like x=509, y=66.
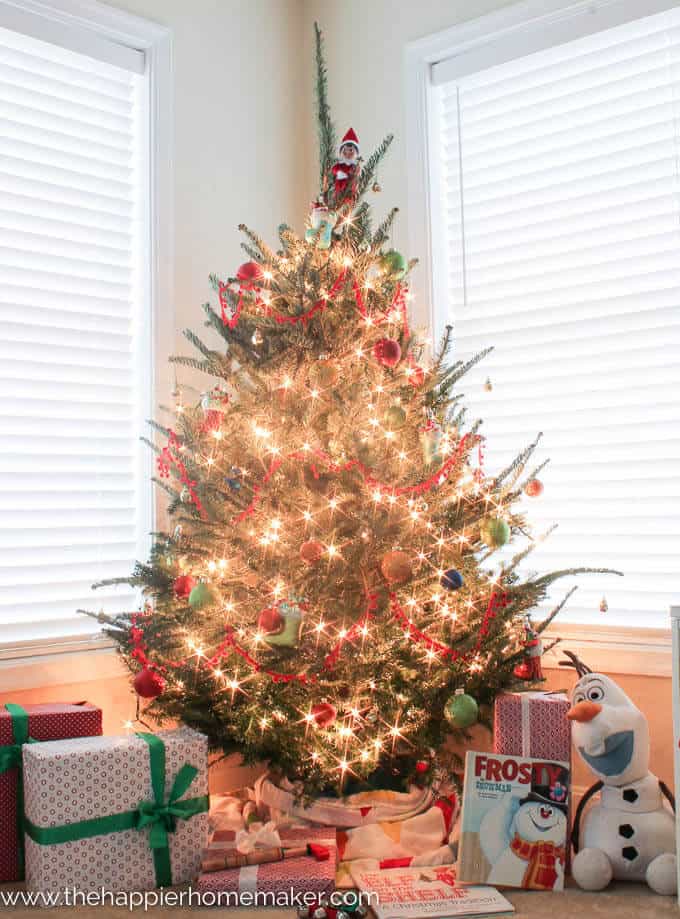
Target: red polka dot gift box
x=20, y=725
x=302, y=874
x=533, y=724
x=116, y=813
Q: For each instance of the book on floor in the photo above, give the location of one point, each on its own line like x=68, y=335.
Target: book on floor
x=514, y=825
x=427, y=893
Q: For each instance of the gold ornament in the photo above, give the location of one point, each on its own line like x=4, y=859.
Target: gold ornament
x=396, y=567
x=488, y=385
x=604, y=606
x=376, y=187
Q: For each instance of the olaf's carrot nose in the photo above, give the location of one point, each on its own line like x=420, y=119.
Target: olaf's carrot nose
x=584, y=711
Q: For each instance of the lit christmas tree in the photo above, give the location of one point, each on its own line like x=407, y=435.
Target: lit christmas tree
x=329, y=600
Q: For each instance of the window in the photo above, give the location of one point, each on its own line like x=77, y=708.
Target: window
x=75, y=321
x=555, y=227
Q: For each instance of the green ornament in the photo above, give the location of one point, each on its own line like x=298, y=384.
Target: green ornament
x=395, y=416
x=393, y=263
x=461, y=710
x=200, y=596
x=495, y=532
x=430, y=441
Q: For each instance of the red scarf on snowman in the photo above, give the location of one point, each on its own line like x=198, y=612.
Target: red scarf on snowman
x=541, y=873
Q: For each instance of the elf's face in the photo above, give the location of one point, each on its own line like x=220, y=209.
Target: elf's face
x=348, y=152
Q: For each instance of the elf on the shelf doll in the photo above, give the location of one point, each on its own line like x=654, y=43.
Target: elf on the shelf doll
x=345, y=170
x=530, y=668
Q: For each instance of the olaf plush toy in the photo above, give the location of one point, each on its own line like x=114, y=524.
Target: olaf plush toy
x=630, y=834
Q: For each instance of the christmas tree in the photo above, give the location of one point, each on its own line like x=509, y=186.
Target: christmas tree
x=329, y=597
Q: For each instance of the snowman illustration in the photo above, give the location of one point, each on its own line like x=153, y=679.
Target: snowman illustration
x=630, y=834
x=523, y=838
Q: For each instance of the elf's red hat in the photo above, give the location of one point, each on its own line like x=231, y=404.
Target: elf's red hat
x=350, y=138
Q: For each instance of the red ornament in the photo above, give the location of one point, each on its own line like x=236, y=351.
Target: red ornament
x=324, y=714
x=270, y=620
x=183, y=585
x=422, y=766
x=250, y=273
x=533, y=488
x=311, y=551
x=417, y=376
x=387, y=352
x=523, y=671
x=147, y=684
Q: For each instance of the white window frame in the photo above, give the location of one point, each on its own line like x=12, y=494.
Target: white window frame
x=79, y=24
x=614, y=649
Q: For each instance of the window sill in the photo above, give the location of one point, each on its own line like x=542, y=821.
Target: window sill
x=34, y=665
x=642, y=652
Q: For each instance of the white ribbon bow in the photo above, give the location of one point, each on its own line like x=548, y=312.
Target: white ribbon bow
x=258, y=836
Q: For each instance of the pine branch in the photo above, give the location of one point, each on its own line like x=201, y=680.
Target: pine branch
x=160, y=483
x=207, y=352
x=551, y=615
x=264, y=253
x=519, y=461
x=371, y=164
x=252, y=252
x=194, y=363
x=156, y=449
x=545, y=580
x=382, y=234
x=161, y=428
x=327, y=135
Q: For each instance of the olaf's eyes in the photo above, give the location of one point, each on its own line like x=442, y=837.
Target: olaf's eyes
x=596, y=694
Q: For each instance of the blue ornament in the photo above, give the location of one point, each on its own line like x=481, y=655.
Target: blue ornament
x=452, y=579
x=233, y=481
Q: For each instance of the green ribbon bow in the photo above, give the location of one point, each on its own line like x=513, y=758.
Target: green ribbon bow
x=162, y=817
x=159, y=816
x=10, y=758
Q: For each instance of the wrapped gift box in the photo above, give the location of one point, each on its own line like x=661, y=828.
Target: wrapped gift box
x=119, y=813
x=533, y=724
x=301, y=874
x=50, y=721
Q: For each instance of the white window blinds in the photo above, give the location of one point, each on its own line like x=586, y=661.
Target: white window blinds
x=74, y=365
x=556, y=226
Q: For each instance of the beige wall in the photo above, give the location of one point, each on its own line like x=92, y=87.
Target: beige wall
x=238, y=120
